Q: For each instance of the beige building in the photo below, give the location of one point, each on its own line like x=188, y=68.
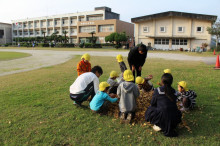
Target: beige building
x=5, y=33
x=78, y=25
x=173, y=30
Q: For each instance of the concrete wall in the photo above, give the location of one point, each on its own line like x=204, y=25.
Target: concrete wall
x=7, y=37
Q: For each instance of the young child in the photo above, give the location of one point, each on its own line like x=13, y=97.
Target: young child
x=113, y=83
x=101, y=100
x=163, y=112
x=128, y=92
x=164, y=71
x=186, y=96
x=145, y=83
x=121, y=63
x=84, y=65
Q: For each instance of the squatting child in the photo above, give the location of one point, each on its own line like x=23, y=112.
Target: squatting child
x=186, y=96
x=128, y=92
x=100, y=102
x=113, y=83
x=84, y=65
x=145, y=83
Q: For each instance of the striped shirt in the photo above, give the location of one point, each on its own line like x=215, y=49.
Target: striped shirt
x=191, y=95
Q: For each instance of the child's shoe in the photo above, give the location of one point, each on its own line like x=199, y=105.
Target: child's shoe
x=122, y=118
x=128, y=119
x=76, y=103
x=156, y=128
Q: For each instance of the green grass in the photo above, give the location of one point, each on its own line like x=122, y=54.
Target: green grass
x=12, y=55
x=36, y=109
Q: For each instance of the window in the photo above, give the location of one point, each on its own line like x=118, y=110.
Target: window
x=161, y=41
x=180, y=29
x=94, y=18
x=179, y=42
x=106, y=28
x=55, y=22
x=199, y=29
x=162, y=29
x=1, y=33
x=87, y=29
x=145, y=29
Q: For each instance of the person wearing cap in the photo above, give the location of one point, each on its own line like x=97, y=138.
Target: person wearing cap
x=186, y=96
x=145, y=83
x=85, y=85
x=164, y=71
x=128, y=92
x=113, y=83
x=136, y=59
x=84, y=65
x=122, y=65
x=101, y=100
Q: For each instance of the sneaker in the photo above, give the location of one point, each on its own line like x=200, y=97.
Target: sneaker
x=122, y=118
x=128, y=119
x=76, y=103
x=156, y=128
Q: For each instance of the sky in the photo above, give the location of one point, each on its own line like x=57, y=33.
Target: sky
x=22, y=9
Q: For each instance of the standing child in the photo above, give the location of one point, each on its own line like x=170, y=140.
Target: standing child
x=113, y=83
x=84, y=65
x=163, y=112
x=101, y=100
x=145, y=83
x=186, y=96
x=128, y=92
x=121, y=63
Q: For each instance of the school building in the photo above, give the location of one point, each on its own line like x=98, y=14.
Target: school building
x=173, y=30
x=78, y=25
x=5, y=33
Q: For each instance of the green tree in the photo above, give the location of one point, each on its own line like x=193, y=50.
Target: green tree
x=215, y=30
x=65, y=37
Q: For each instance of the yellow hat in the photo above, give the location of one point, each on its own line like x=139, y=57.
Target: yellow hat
x=167, y=71
x=86, y=57
x=103, y=85
x=113, y=74
x=119, y=58
x=139, y=80
x=128, y=76
x=184, y=85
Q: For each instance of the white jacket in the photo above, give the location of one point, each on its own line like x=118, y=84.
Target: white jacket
x=82, y=82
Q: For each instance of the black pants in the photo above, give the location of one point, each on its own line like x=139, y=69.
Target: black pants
x=88, y=91
x=137, y=70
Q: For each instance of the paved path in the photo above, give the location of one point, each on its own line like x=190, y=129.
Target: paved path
x=44, y=58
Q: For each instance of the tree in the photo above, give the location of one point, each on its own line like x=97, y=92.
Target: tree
x=118, y=38
x=93, y=40
x=215, y=30
x=65, y=38
x=44, y=36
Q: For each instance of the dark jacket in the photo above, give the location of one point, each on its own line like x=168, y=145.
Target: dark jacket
x=135, y=58
x=122, y=66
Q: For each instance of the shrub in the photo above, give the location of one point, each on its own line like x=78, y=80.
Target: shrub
x=117, y=46
x=81, y=45
x=107, y=44
x=43, y=44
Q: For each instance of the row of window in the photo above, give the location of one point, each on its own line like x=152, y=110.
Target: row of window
x=179, y=29
x=102, y=28
x=166, y=41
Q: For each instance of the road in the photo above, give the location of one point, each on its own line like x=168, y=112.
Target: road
x=45, y=58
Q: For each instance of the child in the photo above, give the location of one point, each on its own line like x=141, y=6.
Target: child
x=164, y=71
x=163, y=112
x=121, y=63
x=84, y=65
x=113, y=83
x=100, y=102
x=128, y=92
x=186, y=96
x=145, y=83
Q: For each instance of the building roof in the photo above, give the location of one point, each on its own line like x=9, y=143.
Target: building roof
x=5, y=23
x=174, y=13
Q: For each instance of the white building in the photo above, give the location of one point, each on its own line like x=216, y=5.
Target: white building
x=5, y=33
x=73, y=23
x=173, y=30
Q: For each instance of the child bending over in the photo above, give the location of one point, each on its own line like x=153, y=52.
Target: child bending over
x=113, y=83
x=100, y=102
x=186, y=96
x=145, y=83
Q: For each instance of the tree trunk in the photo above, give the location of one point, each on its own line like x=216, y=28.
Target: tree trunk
x=216, y=43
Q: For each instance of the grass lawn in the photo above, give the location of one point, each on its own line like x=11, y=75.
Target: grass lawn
x=36, y=108
x=12, y=55
x=204, y=54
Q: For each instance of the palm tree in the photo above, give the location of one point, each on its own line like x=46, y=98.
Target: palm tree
x=44, y=35
x=65, y=39
x=92, y=33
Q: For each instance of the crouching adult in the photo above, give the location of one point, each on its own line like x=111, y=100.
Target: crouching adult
x=85, y=85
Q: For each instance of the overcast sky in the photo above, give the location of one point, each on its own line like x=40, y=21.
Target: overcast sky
x=19, y=9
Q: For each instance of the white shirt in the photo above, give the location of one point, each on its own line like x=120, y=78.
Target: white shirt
x=82, y=81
